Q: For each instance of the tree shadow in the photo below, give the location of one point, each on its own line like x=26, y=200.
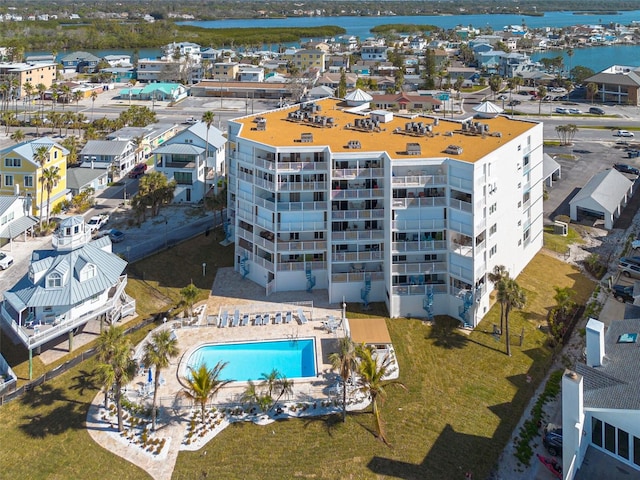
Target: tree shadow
x=65, y=417
x=84, y=381
x=43, y=395
x=445, y=333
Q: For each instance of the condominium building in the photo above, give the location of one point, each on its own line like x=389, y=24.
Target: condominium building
x=413, y=211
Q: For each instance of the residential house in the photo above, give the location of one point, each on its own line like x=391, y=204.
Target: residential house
x=169, y=69
x=307, y=59
x=122, y=60
x=249, y=73
x=15, y=218
x=332, y=80
x=81, y=62
x=156, y=92
x=115, y=156
x=600, y=402
x=78, y=280
x=336, y=63
x=376, y=53
x=225, y=71
x=344, y=43
x=152, y=136
x=183, y=50
x=374, y=207
x=618, y=84
x=80, y=179
x=184, y=159
x=21, y=172
x=406, y=102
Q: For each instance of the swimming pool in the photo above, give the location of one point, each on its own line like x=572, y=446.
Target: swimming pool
x=248, y=361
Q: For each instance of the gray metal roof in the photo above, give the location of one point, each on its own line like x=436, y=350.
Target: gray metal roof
x=6, y=202
x=151, y=131
x=549, y=166
x=615, y=384
x=109, y=267
x=629, y=79
x=216, y=139
x=108, y=148
x=179, y=149
x=80, y=177
x=18, y=226
x=27, y=150
x=604, y=191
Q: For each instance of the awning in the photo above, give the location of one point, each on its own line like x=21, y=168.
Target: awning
x=370, y=331
x=18, y=227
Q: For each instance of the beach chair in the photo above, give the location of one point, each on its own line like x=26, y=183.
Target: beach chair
x=257, y=320
x=223, y=319
x=245, y=320
x=301, y=317
x=278, y=318
x=236, y=319
x=287, y=318
x=266, y=319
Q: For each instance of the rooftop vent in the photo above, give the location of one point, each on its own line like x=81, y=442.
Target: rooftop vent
x=306, y=137
x=413, y=149
x=453, y=150
x=354, y=144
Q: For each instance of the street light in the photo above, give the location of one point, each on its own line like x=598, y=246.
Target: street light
x=204, y=269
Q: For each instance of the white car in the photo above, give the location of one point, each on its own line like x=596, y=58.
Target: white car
x=575, y=111
x=5, y=261
x=562, y=110
x=635, y=244
x=192, y=120
x=623, y=133
x=96, y=222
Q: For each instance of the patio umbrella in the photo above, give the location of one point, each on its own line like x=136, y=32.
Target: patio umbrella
x=150, y=376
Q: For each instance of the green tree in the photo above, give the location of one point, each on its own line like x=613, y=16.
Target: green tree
x=344, y=361
x=429, y=69
x=116, y=367
x=566, y=133
x=208, y=118
x=372, y=373
x=156, y=191
x=542, y=92
x=564, y=299
x=189, y=295
x=498, y=274
x=495, y=84
x=592, y=90
x=50, y=177
x=579, y=73
x=202, y=384
x=511, y=296
x=94, y=96
x=18, y=136
x=157, y=353
x=41, y=156
x=342, y=84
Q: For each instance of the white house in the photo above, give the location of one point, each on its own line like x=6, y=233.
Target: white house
x=600, y=401
x=77, y=281
x=184, y=159
x=372, y=207
x=15, y=218
x=116, y=155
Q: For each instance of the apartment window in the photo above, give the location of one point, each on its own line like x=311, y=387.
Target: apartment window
x=8, y=180
x=319, y=235
x=493, y=251
x=12, y=162
x=636, y=450
x=183, y=178
x=493, y=229
x=28, y=181
x=623, y=444
x=526, y=160
x=519, y=204
x=610, y=437
x=493, y=208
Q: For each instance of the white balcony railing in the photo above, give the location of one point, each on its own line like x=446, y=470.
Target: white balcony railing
x=357, y=235
x=404, y=290
x=418, y=246
x=357, y=256
x=353, y=277
x=302, y=246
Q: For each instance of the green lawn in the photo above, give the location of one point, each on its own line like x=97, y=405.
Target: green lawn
x=464, y=398
x=558, y=243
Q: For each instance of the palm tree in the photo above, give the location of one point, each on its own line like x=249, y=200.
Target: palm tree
x=41, y=155
x=542, y=92
x=499, y=273
x=116, y=366
x=17, y=136
x=592, y=89
x=157, y=353
x=50, y=178
x=189, y=295
x=41, y=89
x=372, y=374
x=204, y=384
x=207, y=118
x=511, y=296
x=570, y=55
x=77, y=96
x=344, y=360
x=94, y=95
x=269, y=380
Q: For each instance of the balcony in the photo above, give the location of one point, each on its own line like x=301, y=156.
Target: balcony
x=419, y=246
x=181, y=165
x=356, y=215
x=301, y=266
x=357, y=235
x=419, y=180
x=300, y=226
x=460, y=205
x=354, y=194
x=402, y=203
x=354, y=173
x=462, y=183
x=404, y=290
x=301, y=206
x=419, y=268
x=357, y=256
x=302, y=186
x=302, y=166
x=422, y=225
x=302, y=246
x=356, y=277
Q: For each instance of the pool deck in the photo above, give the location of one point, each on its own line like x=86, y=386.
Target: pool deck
x=229, y=292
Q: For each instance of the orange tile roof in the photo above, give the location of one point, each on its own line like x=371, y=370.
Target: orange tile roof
x=281, y=132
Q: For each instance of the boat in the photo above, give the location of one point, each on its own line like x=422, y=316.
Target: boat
x=552, y=465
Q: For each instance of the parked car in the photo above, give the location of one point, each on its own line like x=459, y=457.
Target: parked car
x=624, y=168
x=575, y=111
x=623, y=133
x=562, y=110
x=502, y=97
x=138, y=170
x=96, y=222
x=635, y=244
x=635, y=260
x=596, y=110
x=623, y=293
x=5, y=261
x=629, y=269
x=191, y=120
x=116, y=236
x=513, y=103
x=552, y=439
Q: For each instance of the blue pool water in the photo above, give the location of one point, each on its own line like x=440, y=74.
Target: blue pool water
x=248, y=361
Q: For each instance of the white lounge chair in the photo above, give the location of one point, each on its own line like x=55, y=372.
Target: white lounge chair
x=287, y=318
x=245, y=320
x=301, y=317
x=223, y=319
x=257, y=320
x=266, y=319
x=278, y=318
x=236, y=319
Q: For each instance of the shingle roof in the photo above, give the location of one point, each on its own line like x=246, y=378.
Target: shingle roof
x=615, y=384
